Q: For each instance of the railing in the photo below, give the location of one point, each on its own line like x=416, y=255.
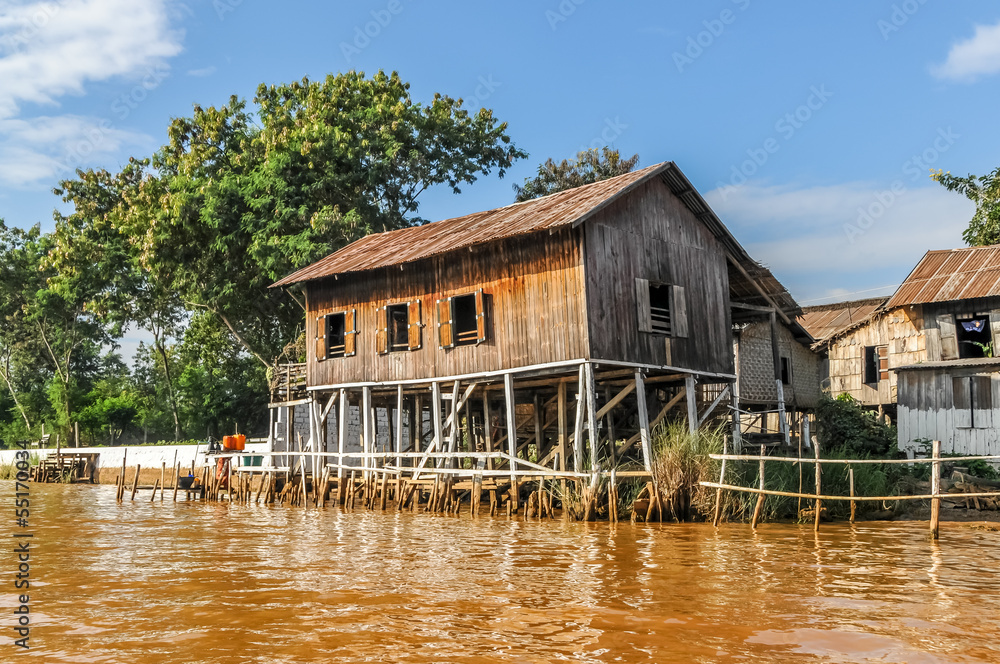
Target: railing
x=934, y=496
x=289, y=383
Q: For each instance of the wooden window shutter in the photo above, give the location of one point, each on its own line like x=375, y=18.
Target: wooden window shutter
x=350, y=332
x=961, y=392
x=982, y=402
x=883, y=362
x=480, y=316
x=381, y=331
x=446, y=323
x=413, y=324
x=949, y=340
x=642, y=310
x=321, y=337
x=678, y=312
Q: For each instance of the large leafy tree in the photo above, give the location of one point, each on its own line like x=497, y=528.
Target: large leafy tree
x=233, y=202
x=589, y=166
x=984, y=191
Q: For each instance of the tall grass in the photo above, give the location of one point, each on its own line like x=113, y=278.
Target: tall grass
x=680, y=461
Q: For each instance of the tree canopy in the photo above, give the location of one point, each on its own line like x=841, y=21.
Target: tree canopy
x=984, y=191
x=589, y=166
x=185, y=242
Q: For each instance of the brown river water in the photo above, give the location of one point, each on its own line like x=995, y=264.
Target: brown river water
x=198, y=582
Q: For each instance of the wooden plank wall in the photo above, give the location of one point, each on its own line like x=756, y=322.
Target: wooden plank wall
x=535, y=307
x=650, y=234
x=902, y=330
x=926, y=411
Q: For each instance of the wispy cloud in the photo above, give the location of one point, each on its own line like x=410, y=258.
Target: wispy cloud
x=204, y=71
x=974, y=57
x=799, y=232
x=51, y=50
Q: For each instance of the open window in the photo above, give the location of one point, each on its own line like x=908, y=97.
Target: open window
x=974, y=338
x=661, y=308
x=973, y=401
x=876, y=364
x=462, y=320
x=398, y=327
x=786, y=371
x=336, y=335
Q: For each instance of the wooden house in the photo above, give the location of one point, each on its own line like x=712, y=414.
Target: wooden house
x=559, y=330
x=940, y=323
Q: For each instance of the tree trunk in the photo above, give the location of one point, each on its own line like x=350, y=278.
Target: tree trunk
x=170, y=386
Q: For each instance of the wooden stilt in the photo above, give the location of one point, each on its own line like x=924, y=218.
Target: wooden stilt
x=592, y=431
x=850, y=479
x=163, y=478
x=508, y=390
x=760, y=496
x=819, y=475
x=177, y=478
x=156, y=485
x=135, y=481
x=121, y=489
x=935, y=489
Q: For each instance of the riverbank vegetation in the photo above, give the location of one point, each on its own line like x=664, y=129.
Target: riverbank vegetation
x=181, y=246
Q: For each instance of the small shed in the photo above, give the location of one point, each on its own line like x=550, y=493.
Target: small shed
x=954, y=401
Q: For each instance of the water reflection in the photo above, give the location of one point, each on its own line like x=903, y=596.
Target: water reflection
x=141, y=582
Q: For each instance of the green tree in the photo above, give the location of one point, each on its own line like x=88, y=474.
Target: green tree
x=984, y=191
x=589, y=166
x=228, y=206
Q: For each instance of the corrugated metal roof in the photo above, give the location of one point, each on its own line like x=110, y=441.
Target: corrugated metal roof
x=993, y=363
x=826, y=320
x=564, y=208
x=951, y=274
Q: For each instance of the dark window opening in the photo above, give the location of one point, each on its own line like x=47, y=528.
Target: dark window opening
x=659, y=308
x=786, y=371
x=336, y=335
x=973, y=401
x=876, y=364
x=974, y=338
x=398, y=325
x=465, y=319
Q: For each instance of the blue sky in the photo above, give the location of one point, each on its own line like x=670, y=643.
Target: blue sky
x=810, y=127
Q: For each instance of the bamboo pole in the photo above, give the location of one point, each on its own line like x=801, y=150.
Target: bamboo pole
x=798, y=509
x=760, y=497
x=850, y=479
x=135, y=481
x=935, y=489
x=155, y=486
x=717, y=514
x=121, y=489
x=819, y=473
x=177, y=476
x=508, y=390
x=163, y=479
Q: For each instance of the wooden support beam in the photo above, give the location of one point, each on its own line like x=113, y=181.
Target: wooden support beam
x=652, y=425
x=592, y=432
x=508, y=388
x=367, y=444
x=692, y=403
x=712, y=407
x=342, y=415
x=647, y=449
x=539, y=429
x=578, y=426
x=399, y=424
x=562, y=433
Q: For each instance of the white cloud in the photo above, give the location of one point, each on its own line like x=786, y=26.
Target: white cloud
x=51, y=148
x=49, y=50
x=853, y=237
x=977, y=56
x=53, y=49
x=204, y=71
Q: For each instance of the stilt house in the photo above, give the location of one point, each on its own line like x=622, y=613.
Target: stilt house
x=558, y=331
x=925, y=356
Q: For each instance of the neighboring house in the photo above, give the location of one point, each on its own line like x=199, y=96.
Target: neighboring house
x=798, y=374
x=924, y=357
x=594, y=312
